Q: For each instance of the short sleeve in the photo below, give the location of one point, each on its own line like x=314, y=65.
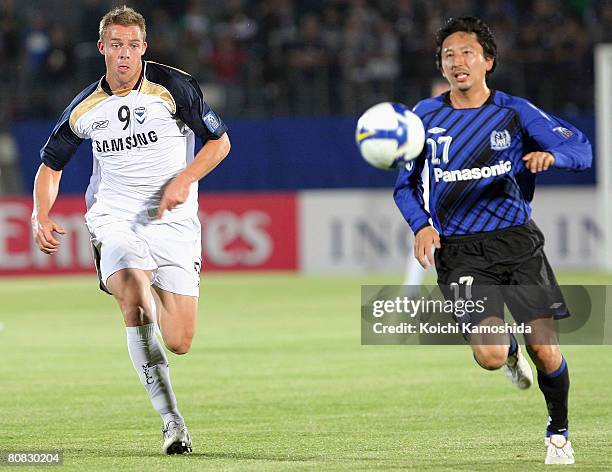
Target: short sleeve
x=196, y=113
x=62, y=144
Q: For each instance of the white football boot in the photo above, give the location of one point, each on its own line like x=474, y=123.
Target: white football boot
x=558, y=450
x=518, y=370
x=176, y=439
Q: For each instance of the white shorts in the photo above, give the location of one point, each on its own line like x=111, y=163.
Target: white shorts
x=172, y=251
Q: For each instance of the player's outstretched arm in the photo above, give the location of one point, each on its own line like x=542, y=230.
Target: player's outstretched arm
x=424, y=239
x=46, y=188
x=209, y=157
x=562, y=145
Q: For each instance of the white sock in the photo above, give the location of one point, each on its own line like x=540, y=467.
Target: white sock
x=151, y=364
x=154, y=316
x=414, y=272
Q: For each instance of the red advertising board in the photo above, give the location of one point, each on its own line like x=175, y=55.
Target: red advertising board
x=248, y=231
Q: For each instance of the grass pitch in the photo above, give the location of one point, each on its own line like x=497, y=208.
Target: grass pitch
x=276, y=380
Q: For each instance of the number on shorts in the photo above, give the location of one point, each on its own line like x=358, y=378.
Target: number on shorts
x=466, y=281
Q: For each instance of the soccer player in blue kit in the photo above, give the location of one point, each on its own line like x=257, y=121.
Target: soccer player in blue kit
x=484, y=148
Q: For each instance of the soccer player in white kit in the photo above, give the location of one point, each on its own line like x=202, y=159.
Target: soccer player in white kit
x=142, y=119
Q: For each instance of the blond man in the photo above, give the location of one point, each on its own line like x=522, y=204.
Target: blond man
x=142, y=119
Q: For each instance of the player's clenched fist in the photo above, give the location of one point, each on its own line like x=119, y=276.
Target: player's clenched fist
x=42, y=230
x=175, y=193
x=423, y=241
x=538, y=161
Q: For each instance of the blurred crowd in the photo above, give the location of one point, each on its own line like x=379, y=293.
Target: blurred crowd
x=301, y=57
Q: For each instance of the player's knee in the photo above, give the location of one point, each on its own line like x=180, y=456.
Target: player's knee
x=136, y=310
x=491, y=357
x=546, y=355
x=180, y=346
x=131, y=290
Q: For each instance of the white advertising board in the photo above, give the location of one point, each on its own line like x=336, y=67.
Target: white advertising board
x=345, y=232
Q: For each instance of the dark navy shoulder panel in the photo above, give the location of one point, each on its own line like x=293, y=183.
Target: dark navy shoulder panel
x=190, y=105
x=525, y=110
x=543, y=131
x=63, y=142
x=427, y=106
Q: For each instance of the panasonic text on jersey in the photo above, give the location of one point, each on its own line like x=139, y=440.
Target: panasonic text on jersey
x=475, y=173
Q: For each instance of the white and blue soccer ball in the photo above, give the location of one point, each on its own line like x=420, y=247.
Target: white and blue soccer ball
x=389, y=135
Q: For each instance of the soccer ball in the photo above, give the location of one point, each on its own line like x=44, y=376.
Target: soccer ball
x=389, y=135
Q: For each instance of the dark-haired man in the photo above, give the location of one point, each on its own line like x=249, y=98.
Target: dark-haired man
x=484, y=148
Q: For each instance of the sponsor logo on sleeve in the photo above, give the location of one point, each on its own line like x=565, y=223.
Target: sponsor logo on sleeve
x=99, y=125
x=211, y=121
x=566, y=133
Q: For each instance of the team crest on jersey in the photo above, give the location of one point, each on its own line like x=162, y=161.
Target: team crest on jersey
x=500, y=140
x=566, y=133
x=140, y=114
x=211, y=121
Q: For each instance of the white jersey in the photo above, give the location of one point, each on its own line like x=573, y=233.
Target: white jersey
x=140, y=140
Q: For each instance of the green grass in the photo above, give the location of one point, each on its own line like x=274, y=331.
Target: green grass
x=276, y=380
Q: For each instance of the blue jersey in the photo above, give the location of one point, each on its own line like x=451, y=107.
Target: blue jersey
x=477, y=179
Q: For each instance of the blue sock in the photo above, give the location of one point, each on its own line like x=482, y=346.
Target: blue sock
x=555, y=387
x=513, y=345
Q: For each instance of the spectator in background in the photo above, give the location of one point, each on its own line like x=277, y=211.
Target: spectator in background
x=60, y=59
x=10, y=50
x=572, y=55
x=363, y=42
x=10, y=24
x=164, y=30
x=601, y=22
x=415, y=60
x=536, y=41
x=308, y=59
x=59, y=66
x=276, y=28
x=38, y=43
x=356, y=46
x=268, y=52
x=238, y=23
x=236, y=33
x=502, y=19
x=331, y=33
x=37, y=47
x=10, y=178
x=227, y=61
x=90, y=12
x=194, y=37
x=383, y=64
